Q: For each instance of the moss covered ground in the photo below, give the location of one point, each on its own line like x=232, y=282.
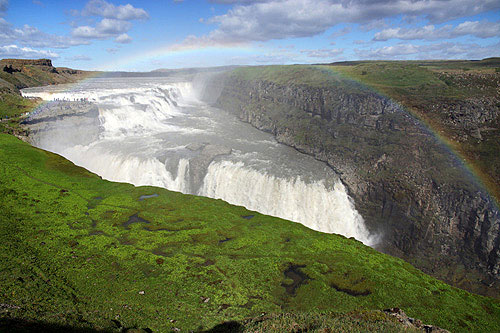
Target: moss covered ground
x=80, y=251
x=356, y=321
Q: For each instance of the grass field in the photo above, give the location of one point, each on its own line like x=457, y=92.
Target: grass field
x=77, y=250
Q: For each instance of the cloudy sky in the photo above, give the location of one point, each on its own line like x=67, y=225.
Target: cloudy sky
x=150, y=34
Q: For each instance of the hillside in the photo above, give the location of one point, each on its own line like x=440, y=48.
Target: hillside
x=16, y=74
x=408, y=185
x=80, y=251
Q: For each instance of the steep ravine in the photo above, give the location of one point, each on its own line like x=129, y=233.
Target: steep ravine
x=407, y=186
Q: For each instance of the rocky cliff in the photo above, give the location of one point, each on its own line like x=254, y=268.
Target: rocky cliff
x=19, y=63
x=409, y=188
x=16, y=74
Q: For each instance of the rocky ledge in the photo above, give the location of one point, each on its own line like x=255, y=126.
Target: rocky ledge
x=17, y=63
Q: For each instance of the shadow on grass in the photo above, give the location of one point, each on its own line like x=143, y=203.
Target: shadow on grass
x=19, y=325
x=227, y=327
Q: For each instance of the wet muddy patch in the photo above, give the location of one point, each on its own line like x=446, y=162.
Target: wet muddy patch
x=298, y=278
x=147, y=196
x=224, y=240
x=134, y=219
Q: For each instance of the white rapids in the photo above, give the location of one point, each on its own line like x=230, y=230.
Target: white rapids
x=158, y=131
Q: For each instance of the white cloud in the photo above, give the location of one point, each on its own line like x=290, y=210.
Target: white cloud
x=79, y=57
x=105, y=9
x=250, y=21
x=444, y=50
x=323, y=53
x=123, y=39
x=104, y=29
x=31, y=36
x=480, y=29
x=25, y=52
x=115, y=23
x=341, y=32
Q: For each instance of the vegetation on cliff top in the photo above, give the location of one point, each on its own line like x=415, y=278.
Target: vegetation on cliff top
x=16, y=74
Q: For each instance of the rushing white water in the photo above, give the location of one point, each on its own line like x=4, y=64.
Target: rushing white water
x=154, y=131
x=312, y=204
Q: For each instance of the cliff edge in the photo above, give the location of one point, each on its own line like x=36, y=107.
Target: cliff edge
x=409, y=187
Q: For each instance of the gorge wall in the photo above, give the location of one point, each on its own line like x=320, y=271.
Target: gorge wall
x=408, y=187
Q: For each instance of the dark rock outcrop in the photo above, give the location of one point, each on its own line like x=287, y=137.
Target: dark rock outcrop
x=204, y=154
x=409, y=322
x=17, y=63
x=409, y=188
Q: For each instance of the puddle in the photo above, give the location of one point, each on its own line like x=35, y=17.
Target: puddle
x=143, y=197
x=248, y=217
x=298, y=278
x=224, y=240
x=134, y=219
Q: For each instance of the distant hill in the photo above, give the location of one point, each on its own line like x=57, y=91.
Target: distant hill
x=16, y=74
x=165, y=72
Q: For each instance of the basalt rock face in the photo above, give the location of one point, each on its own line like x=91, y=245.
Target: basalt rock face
x=410, y=189
x=16, y=63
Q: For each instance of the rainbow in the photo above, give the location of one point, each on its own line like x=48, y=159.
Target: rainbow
x=472, y=171
x=183, y=50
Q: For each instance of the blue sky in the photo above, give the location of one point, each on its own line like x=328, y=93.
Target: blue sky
x=150, y=34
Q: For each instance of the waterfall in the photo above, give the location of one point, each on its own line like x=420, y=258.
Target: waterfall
x=312, y=204
x=157, y=132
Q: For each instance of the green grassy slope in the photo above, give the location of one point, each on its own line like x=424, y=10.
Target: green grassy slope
x=77, y=250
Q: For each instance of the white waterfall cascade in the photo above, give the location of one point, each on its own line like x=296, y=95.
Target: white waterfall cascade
x=313, y=204
x=145, y=128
